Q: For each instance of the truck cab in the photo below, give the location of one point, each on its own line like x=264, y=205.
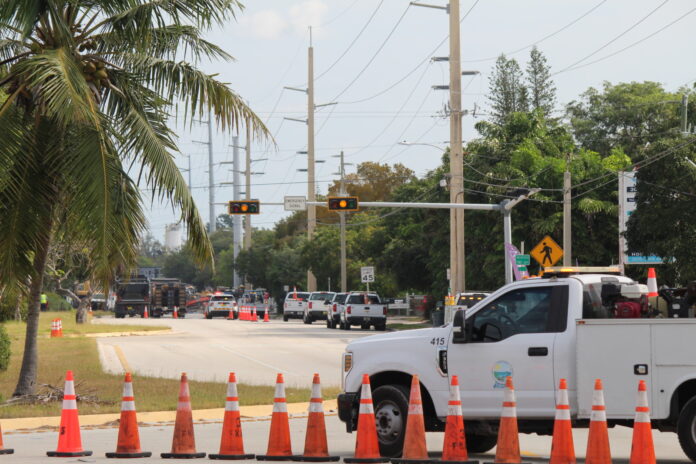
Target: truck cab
x=537, y=331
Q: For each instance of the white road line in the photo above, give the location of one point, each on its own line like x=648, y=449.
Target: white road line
x=236, y=352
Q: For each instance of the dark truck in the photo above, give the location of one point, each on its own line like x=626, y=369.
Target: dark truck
x=167, y=294
x=132, y=296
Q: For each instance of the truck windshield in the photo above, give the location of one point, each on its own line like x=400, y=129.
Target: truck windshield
x=340, y=298
x=222, y=298
x=321, y=296
x=134, y=291
x=363, y=299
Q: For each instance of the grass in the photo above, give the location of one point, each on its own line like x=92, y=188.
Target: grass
x=71, y=327
x=402, y=326
x=57, y=355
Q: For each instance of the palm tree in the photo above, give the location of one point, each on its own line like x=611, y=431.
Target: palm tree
x=88, y=88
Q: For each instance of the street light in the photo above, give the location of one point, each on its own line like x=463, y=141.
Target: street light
x=507, y=206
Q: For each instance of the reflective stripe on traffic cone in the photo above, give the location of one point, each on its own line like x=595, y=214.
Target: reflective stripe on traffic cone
x=279, y=446
x=54, y=328
x=562, y=449
x=231, y=443
x=598, y=451
x=69, y=441
x=316, y=447
x=2, y=449
x=128, y=445
x=366, y=444
x=184, y=442
x=507, y=450
x=652, y=282
x=642, y=448
x=415, y=449
x=454, y=447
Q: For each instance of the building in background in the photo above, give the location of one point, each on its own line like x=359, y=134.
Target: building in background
x=172, y=237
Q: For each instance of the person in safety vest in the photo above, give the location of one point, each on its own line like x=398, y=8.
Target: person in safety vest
x=44, y=302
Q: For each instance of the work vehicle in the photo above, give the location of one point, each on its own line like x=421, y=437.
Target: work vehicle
x=167, y=294
x=132, y=296
x=219, y=305
x=294, y=305
x=254, y=298
x=317, y=307
x=363, y=309
x=567, y=325
x=335, y=309
x=463, y=301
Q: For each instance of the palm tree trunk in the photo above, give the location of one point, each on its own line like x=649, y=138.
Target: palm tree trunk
x=30, y=360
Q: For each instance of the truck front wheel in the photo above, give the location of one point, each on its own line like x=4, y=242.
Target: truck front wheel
x=686, y=429
x=391, y=409
x=480, y=443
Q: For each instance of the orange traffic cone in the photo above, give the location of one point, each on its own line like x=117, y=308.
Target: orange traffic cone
x=54, y=329
x=265, y=315
x=415, y=449
x=230, y=315
x=231, y=443
x=145, y=314
x=508, y=447
x=652, y=282
x=4, y=450
x=562, y=449
x=184, y=442
x=175, y=313
x=598, y=451
x=366, y=445
x=254, y=316
x=279, y=446
x=642, y=449
x=128, y=445
x=316, y=447
x=454, y=447
x=69, y=442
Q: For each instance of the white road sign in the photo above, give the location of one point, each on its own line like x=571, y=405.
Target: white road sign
x=367, y=274
x=295, y=203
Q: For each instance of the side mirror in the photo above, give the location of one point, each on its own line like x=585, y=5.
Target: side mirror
x=459, y=327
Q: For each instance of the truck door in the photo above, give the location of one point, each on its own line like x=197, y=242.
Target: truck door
x=511, y=336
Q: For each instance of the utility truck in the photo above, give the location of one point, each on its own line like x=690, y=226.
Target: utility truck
x=573, y=323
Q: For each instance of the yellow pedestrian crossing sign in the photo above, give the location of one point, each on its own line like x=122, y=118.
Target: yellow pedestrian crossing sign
x=547, y=252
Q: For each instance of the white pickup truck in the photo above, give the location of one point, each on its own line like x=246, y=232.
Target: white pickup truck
x=537, y=331
x=363, y=309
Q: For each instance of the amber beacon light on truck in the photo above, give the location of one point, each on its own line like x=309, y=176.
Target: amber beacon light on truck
x=343, y=203
x=243, y=207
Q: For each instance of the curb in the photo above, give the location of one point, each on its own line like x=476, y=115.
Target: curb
x=22, y=424
x=117, y=334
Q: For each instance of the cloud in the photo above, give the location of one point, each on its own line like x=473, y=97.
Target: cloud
x=264, y=24
x=307, y=13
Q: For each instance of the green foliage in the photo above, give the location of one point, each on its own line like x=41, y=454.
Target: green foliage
x=507, y=93
x=4, y=348
x=542, y=91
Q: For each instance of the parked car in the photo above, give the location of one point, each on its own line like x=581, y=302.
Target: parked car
x=219, y=305
x=317, y=307
x=335, y=310
x=365, y=310
x=294, y=305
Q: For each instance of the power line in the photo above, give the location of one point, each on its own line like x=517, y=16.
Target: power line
x=348, y=8
x=614, y=39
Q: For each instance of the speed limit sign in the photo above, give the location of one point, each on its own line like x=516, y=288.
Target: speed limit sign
x=367, y=274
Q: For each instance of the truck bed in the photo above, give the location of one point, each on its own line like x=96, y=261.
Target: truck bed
x=618, y=351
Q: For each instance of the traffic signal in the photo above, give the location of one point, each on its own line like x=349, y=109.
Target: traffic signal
x=343, y=203
x=243, y=207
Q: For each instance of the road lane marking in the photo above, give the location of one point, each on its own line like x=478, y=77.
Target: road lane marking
x=122, y=358
x=233, y=351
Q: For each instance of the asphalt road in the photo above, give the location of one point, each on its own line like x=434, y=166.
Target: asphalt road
x=210, y=349
x=31, y=447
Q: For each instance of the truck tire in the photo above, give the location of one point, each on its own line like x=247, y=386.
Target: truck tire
x=285, y=318
x=686, y=429
x=330, y=323
x=480, y=443
x=391, y=410
x=307, y=319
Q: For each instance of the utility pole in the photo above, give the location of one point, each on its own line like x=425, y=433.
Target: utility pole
x=311, y=190
x=236, y=219
x=567, y=221
x=342, y=217
x=211, y=175
x=247, y=172
x=457, y=255
x=684, y=106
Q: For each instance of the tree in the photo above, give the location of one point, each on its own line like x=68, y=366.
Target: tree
x=507, y=93
x=90, y=85
x=542, y=91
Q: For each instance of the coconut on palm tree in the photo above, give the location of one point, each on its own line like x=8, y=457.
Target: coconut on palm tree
x=86, y=89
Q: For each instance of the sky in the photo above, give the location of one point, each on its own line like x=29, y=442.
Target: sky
x=372, y=57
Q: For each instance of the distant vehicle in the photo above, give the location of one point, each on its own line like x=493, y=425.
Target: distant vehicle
x=294, y=305
x=365, y=310
x=132, y=296
x=220, y=304
x=82, y=289
x=167, y=294
x=335, y=310
x=98, y=302
x=318, y=307
x=463, y=301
